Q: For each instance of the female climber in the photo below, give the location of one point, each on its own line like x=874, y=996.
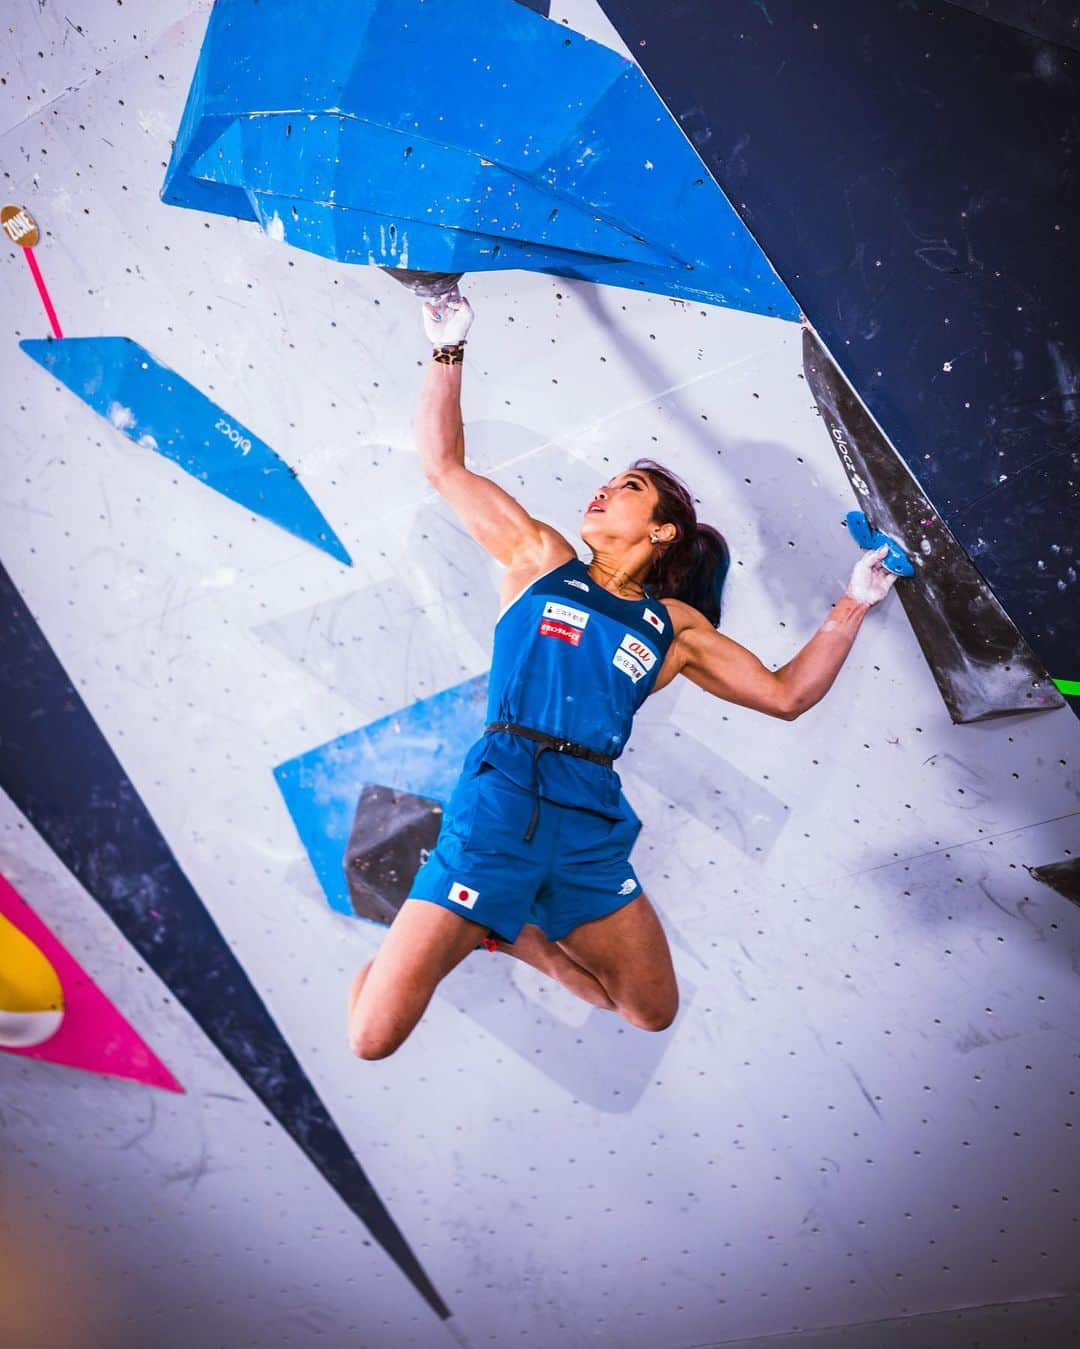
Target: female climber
x=533, y=855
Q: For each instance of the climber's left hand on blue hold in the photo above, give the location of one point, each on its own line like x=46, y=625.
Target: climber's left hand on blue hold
x=894, y=558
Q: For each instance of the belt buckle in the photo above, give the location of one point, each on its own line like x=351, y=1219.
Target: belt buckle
x=563, y=746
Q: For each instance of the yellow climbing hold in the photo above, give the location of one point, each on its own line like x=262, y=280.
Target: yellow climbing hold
x=31, y=998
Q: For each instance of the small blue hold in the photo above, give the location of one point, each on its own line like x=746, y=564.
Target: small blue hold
x=895, y=560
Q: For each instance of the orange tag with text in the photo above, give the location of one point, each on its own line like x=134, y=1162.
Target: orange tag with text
x=19, y=226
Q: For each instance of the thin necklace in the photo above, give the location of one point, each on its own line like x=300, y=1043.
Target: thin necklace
x=613, y=574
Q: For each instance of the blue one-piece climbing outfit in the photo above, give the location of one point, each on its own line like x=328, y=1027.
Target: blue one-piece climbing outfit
x=538, y=829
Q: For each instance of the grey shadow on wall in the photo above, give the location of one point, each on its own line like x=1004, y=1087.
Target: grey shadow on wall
x=635, y=354
x=794, y=589
x=334, y=641
x=605, y=1062
x=704, y=785
x=413, y=627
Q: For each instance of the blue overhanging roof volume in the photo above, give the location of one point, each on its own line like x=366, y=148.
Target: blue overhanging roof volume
x=472, y=136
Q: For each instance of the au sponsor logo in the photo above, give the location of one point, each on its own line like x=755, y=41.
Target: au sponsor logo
x=641, y=651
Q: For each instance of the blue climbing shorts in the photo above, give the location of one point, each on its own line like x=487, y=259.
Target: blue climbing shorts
x=574, y=869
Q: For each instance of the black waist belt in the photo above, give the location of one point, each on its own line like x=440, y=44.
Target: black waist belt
x=551, y=742
x=547, y=742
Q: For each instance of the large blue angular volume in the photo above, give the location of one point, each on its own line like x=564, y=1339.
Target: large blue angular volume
x=61, y=772
x=419, y=749
x=160, y=410
x=456, y=135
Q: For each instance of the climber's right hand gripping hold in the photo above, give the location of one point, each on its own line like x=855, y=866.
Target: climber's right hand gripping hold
x=447, y=321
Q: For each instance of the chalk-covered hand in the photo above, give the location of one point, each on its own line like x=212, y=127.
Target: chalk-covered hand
x=447, y=320
x=870, y=581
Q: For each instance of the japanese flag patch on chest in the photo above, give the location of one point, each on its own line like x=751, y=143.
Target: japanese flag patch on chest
x=634, y=657
x=563, y=621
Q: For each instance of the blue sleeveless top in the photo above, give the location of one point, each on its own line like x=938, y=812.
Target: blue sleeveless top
x=573, y=660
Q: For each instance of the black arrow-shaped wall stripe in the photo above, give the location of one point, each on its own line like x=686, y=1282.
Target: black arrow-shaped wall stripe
x=59, y=769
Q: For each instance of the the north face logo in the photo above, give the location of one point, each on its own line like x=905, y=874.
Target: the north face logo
x=627, y=885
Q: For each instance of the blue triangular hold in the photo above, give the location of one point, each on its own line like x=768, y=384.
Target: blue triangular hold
x=160, y=410
x=329, y=126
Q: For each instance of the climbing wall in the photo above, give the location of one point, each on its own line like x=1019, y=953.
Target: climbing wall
x=239, y=630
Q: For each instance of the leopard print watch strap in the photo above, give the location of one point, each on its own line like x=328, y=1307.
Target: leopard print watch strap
x=451, y=354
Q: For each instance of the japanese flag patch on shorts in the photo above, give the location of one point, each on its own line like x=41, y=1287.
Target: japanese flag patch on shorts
x=461, y=894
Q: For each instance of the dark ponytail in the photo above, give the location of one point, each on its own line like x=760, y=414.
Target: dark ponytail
x=694, y=566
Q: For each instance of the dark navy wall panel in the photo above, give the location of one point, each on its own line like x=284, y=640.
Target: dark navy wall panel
x=911, y=172
x=1054, y=20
